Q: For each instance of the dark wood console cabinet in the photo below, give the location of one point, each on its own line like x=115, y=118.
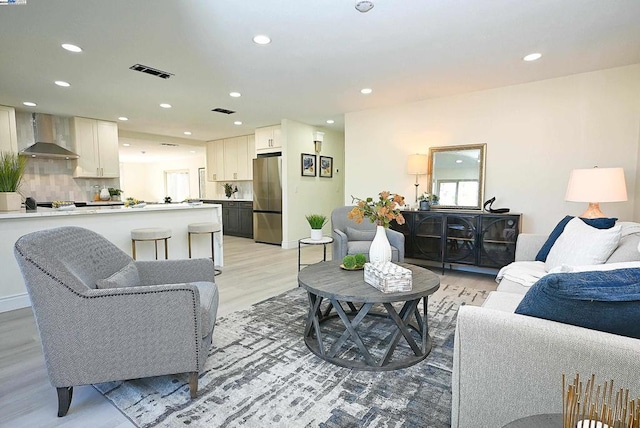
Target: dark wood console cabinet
x=460, y=237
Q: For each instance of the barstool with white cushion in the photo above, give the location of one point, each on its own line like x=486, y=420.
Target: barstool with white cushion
x=202, y=228
x=151, y=234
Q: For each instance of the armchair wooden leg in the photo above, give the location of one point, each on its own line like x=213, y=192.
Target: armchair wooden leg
x=64, y=400
x=193, y=384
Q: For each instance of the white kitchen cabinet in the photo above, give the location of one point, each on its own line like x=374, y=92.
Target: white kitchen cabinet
x=215, y=160
x=8, y=134
x=231, y=159
x=268, y=139
x=96, y=142
x=238, y=157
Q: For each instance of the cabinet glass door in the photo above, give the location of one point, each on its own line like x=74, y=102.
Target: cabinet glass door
x=427, y=236
x=461, y=234
x=498, y=240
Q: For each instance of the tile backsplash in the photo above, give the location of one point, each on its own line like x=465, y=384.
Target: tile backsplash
x=48, y=180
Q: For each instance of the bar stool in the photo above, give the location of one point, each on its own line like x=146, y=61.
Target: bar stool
x=202, y=228
x=151, y=234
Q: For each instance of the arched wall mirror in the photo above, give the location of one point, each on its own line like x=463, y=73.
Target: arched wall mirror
x=457, y=175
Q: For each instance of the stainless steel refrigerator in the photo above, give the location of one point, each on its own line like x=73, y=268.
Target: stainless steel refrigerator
x=267, y=199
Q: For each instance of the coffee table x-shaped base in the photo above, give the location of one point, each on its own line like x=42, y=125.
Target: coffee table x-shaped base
x=408, y=318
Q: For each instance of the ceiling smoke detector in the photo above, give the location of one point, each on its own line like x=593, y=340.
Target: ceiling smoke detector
x=364, y=6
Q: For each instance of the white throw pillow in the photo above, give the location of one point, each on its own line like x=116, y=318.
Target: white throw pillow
x=581, y=244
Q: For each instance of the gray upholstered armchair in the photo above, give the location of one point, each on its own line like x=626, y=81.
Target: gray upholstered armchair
x=352, y=238
x=103, y=316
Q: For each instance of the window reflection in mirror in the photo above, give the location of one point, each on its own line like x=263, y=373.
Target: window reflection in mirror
x=457, y=175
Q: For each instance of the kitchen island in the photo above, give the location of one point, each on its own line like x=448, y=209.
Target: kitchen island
x=114, y=223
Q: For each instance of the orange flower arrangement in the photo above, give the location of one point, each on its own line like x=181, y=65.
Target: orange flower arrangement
x=380, y=212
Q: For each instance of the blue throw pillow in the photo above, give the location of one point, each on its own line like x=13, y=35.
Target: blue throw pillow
x=606, y=301
x=598, y=223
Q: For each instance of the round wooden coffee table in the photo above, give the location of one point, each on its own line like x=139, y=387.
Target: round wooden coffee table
x=338, y=289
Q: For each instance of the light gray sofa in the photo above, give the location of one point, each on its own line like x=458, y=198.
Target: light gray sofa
x=507, y=366
x=158, y=319
x=352, y=238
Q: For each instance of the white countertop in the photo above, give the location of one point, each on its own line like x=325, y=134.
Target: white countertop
x=107, y=210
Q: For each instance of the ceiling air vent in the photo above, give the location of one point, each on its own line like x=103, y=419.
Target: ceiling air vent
x=223, y=110
x=152, y=71
x=168, y=144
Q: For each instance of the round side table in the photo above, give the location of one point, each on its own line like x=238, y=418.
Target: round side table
x=308, y=241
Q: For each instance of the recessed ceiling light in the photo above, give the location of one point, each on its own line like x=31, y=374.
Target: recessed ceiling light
x=235, y=94
x=261, y=39
x=126, y=144
x=458, y=161
x=29, y=104
x=62, y=83
x=165, y=105
x=532, y=57
x=71, y=48
x=192, y=151
x=237, y=122
x=187, y=132
x=330, y=122
x=122, y=118
x=366, y=91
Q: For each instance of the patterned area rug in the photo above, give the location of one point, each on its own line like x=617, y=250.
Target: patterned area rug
x=260, y=374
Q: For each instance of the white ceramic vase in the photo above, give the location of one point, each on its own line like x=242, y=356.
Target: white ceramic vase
x=380, y=250
x=316, y=234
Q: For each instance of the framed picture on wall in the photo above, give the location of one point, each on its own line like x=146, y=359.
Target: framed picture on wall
x=308, y=164
x=326, y=166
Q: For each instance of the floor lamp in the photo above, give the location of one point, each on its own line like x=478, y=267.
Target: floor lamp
x=595, y=185
x=419, y=165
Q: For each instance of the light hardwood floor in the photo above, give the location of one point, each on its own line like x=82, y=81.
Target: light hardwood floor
x=252, y=273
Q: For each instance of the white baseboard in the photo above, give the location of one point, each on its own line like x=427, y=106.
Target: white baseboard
x=17, y=301
x=288, y=245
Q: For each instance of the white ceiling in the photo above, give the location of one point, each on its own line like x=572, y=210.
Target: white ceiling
x=322, y=53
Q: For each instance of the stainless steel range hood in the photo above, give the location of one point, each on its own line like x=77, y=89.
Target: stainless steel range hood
x=45, y=146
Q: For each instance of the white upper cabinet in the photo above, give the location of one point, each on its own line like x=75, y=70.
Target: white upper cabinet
x=230, y=159
x=96, y=142
x=8, y=134
x=215, y=160
x=268, y=139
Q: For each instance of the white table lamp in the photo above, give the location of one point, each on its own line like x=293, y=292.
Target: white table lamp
x=419, y=165
x=595, y=185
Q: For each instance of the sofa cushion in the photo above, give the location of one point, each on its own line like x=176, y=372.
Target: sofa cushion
x=598, y=223
x=502, y=301
x=628, y=249
x=581, y=244
x=126, y=277
x=606, y=301
x=359, y=235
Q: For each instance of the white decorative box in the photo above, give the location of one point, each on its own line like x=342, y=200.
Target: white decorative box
x=387, y=277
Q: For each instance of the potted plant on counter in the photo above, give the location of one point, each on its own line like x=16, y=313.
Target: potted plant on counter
x=316, y=221
x=230, y=189
x=12, y=168
x=115, y=193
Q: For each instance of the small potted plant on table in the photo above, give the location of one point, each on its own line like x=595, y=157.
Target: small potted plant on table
x=316, y=221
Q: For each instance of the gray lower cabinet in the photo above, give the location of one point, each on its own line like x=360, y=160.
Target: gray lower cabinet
x=237, y=217
x=459, y=237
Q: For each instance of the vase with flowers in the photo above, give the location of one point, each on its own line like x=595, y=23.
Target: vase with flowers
x=381, y=212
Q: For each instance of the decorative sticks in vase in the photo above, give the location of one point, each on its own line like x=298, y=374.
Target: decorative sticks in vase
x=584, y=408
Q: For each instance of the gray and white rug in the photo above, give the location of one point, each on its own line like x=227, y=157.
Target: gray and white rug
x=260, y=374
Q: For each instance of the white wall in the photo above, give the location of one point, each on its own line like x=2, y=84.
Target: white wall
x=536, y=133
x=308, y=195
x=145, y=181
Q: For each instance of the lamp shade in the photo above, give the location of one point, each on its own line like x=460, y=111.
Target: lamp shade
x=418, y=164
x=597, y=185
